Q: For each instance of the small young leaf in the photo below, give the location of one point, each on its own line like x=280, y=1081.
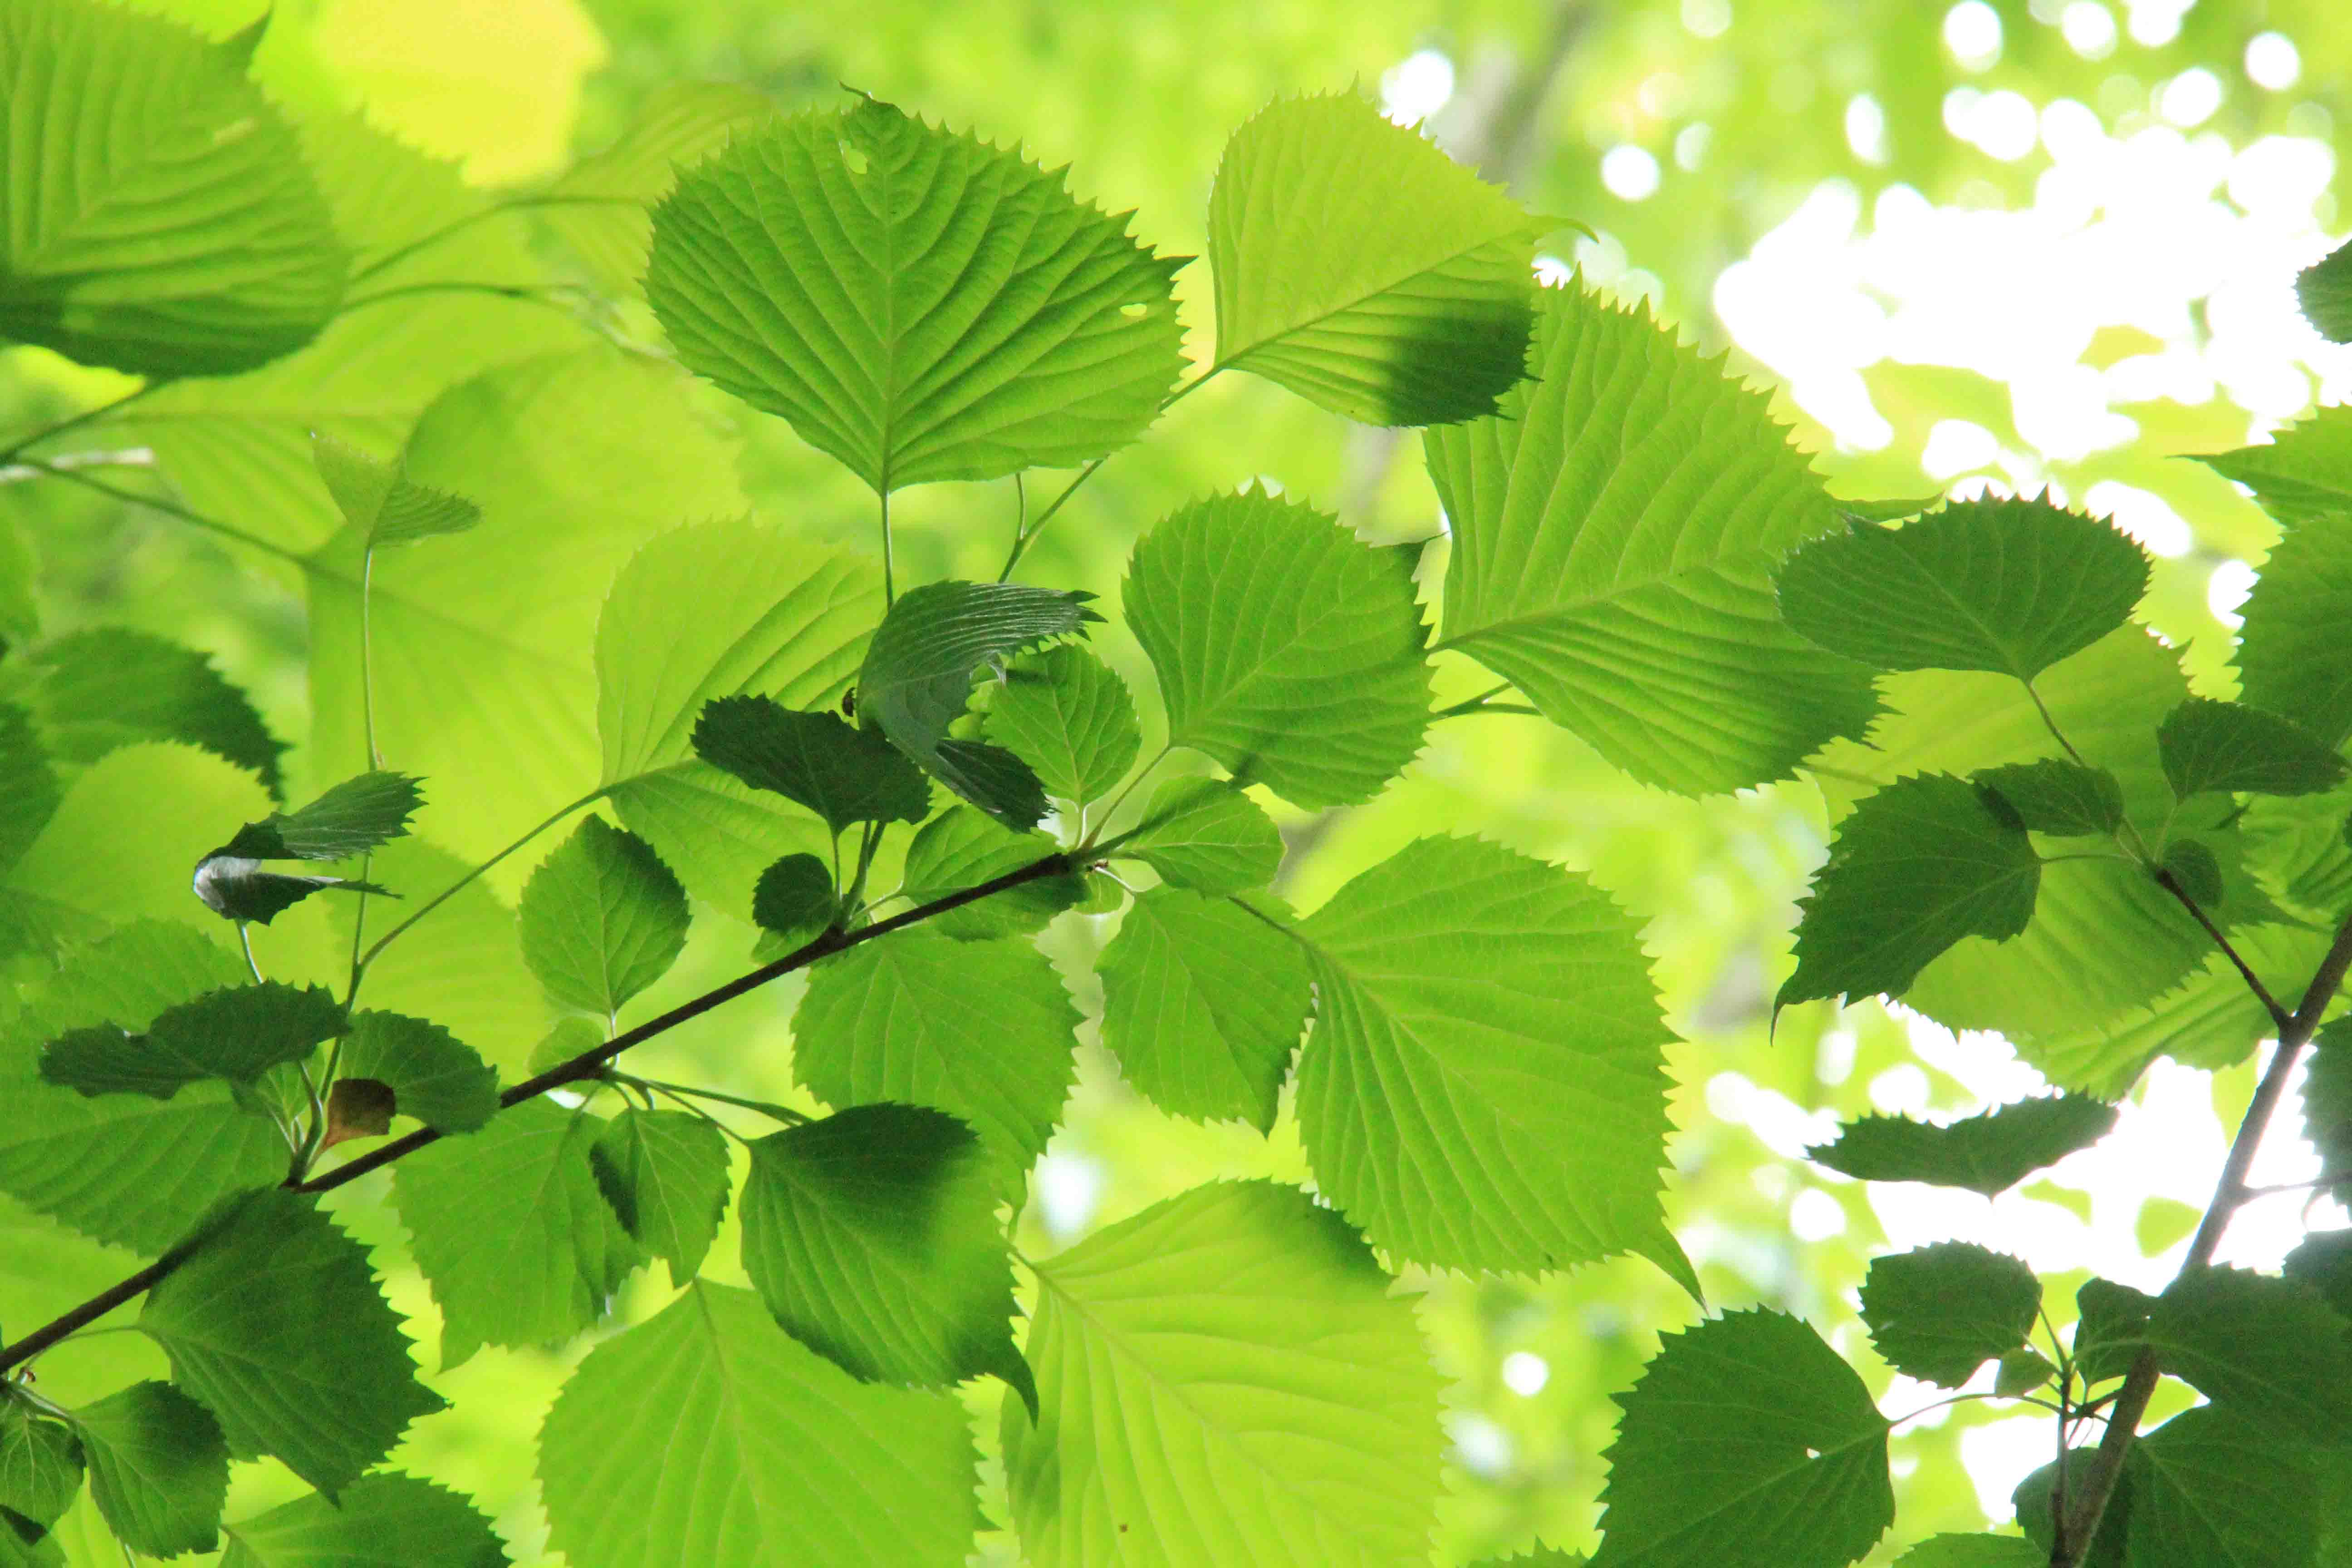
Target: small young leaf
x=1399, y=294
x=40, y=1462
x=237, y=1033
x=2057, y=796
x=1065, y=713
x=359, y=1108
x=349, y=819
x=1747, y=1443
x=794, y=899
x=432, y=1077
x=384, y=1521
x=2232, y=747
x=2012, y=585
x=382, y=501
x=961, y=848
x=846, y=776
x=2109, y=1329
x=1286, y=647
x=601, y=918
x=2269, y=1350
x=2191, y=865
x=2324, y=290
x=1940, y=1312
x=1206, y=834
x=2022, y=1370
x=107, y=686
x=2212, y=1487
x=1919, y=866
x=1986, y=1153
x=158, y=1467
x=871, y=1236
x=1202, y=1003
x=666, y=1175
x=275, y=1323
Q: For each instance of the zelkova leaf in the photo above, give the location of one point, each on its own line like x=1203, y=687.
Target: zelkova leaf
x=1921, y=864
x=1471, y=1005
x=963, y=847
x=2294, y=652
x=381, y=502
x=384, y=1521
x=1940, y=1312
x=2324, y=290
x=1069, y=717
x=432, y=1076
x=1206, y=834
x=40, y=1463
x=158, y=1467
x=510, y=1231
x=601, y=918
x=2228, y=746
x=237, y=1033
x=918, y=677
x=2268, y=1350
x=1284, y=1395
x=919, y=304
x=275, y=1323
x=668, y=1176
x=158, y=217
x=747, y=1448
x=357, y=815
x=1364, y=269
x=871, y=1234
x=1202, y=1003
x=2220, y=1491
x=1286, y=647
x=107, y=687
x=846, y=775
x=1616, y=524
x=2056, y=796
x=600, y=205
x=1986, y=1154
x=1745, y=1444
x=2009, y=584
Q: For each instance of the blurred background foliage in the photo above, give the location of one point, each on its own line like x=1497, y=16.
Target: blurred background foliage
x=2003, y=244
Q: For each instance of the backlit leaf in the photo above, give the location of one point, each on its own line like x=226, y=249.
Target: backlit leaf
x=1206, y=834
x=2056, y=796
x=158, y=1467
x=383, y=503
x=1940, y=1312
x=2267, y=1350
x=108, y=686
x=2229, y=746
x=846, y=775
x=2324, y=290
x=2294, y=652
x=962, y=847
x=668, y=1176
x=1065, y=713
x=432, y=1076
x=2213, y=1489
x=384, y=1521
x=1986, y=1154
x=601, y=918
x=237, y=1033
x=600, y=205
x=1202, y=1003
x=28, y=785
x=793, y=900
x=40, y=1463
x=357, y=815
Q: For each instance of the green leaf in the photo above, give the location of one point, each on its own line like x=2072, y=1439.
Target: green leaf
x=963, y=847
x=2269, y=1350
x=918, y=676
x=1207, y=836
x=846, y=776
x=1975, y=1552
x=2302, y=475
x=1397, y=293
x=747, y=1448
x=357, y=815
x=1285, y=1393
x=601, y=918
x=2324, y=1261
x=510, y=1230
x=1065, y=713
x=158, y=1467
x=274, y=1325
x=599, y=206
x=1988, y=1154
x=29, y=786
x=1286, y=647
x=793, y=900
x=107, y=850
x=1923, y=863
x=2192, y=865
x=919, y=304
x=2327, y=1100
x=981, y=1030
x=162, y=220
x=1616, y=524
x=434, y=1077
x=872, y=1236
x=2021, y=1372
x=2033, y=1499
x=2294, y=654
x=2110, y=1327
x=2324, y=290
x=2232, y=747
x=2215, y=1489
x=40, y=1463
x=1202, y=1003
x=666, y=1175
x=573, y=1036
x=2055, y=796
x=108, y=686
x=237, y=1033
x=1745, y=1444
x=384, y=1521
x=1940, y=1312
x=1483, y=1088
x=381, y=502
x=2011, y=585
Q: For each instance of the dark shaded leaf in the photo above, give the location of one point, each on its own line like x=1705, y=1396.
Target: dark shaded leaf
x=434, y=1077
x=1940, y=1312
x=107, y=686
x=846, y=775
x=2057, y=796
x=2229, y=746
x=237, y=1033
x=1986, y=1154
x=666, y=1175
x=349, y=819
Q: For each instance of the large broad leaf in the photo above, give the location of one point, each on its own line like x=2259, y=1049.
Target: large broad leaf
x=2038, y=1504
x=1940, y=1312
x=1202, y=1003
x=1286, y=647
x=601, y=918
x=872, y=1236
x=1226, y=1371
x=2009, y=584
x=1614, y=525
x=107, y=686
x=1484, y=1088
x=237, y=1033
x=2268, y=1350
x=1986, y=1153
x=1747, y=1444
x=746, y=1447
x=158, y=217
x=158, y=1467
x=1069, y=717
x=510, y=1230
x=275, y=1323
x=384, y=1521
x=2218, y=1491
x=666, y=1175
x=1358, y=267
x=1206, y=834
x=2228, y=746
x=432, y=1076
x=119, y=844
x=600, y=205
x=919, y=304
x=980, y=1030
x=1918, y=866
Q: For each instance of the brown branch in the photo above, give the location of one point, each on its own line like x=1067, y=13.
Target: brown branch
x=2280, y=1017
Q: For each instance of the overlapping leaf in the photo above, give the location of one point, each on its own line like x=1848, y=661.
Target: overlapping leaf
x=2267, y=1350
x=387, y=1519
x=433, y=1077
x=237, y=1033
x=846, y=775
x=1206, y=834
x=381, y=502
x=2212, y=1488
x=40, y=1464
x=2110, y=1327
x=666, y=1175
x=962, y=848
x=600, y=205
x=105, y=687
x=2295, y=653
x=601, y=918
x=1069, y=717
x=2227, y=746
x=2055, y=796
x=28, y=785
x=2324, y=290
x=1986, y=1153
x=158, y=1467
x=358, y=815
x=1202, y=1003
x=1940, y=1312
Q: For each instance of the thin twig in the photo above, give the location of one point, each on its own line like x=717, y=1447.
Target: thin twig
x=75, y=421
